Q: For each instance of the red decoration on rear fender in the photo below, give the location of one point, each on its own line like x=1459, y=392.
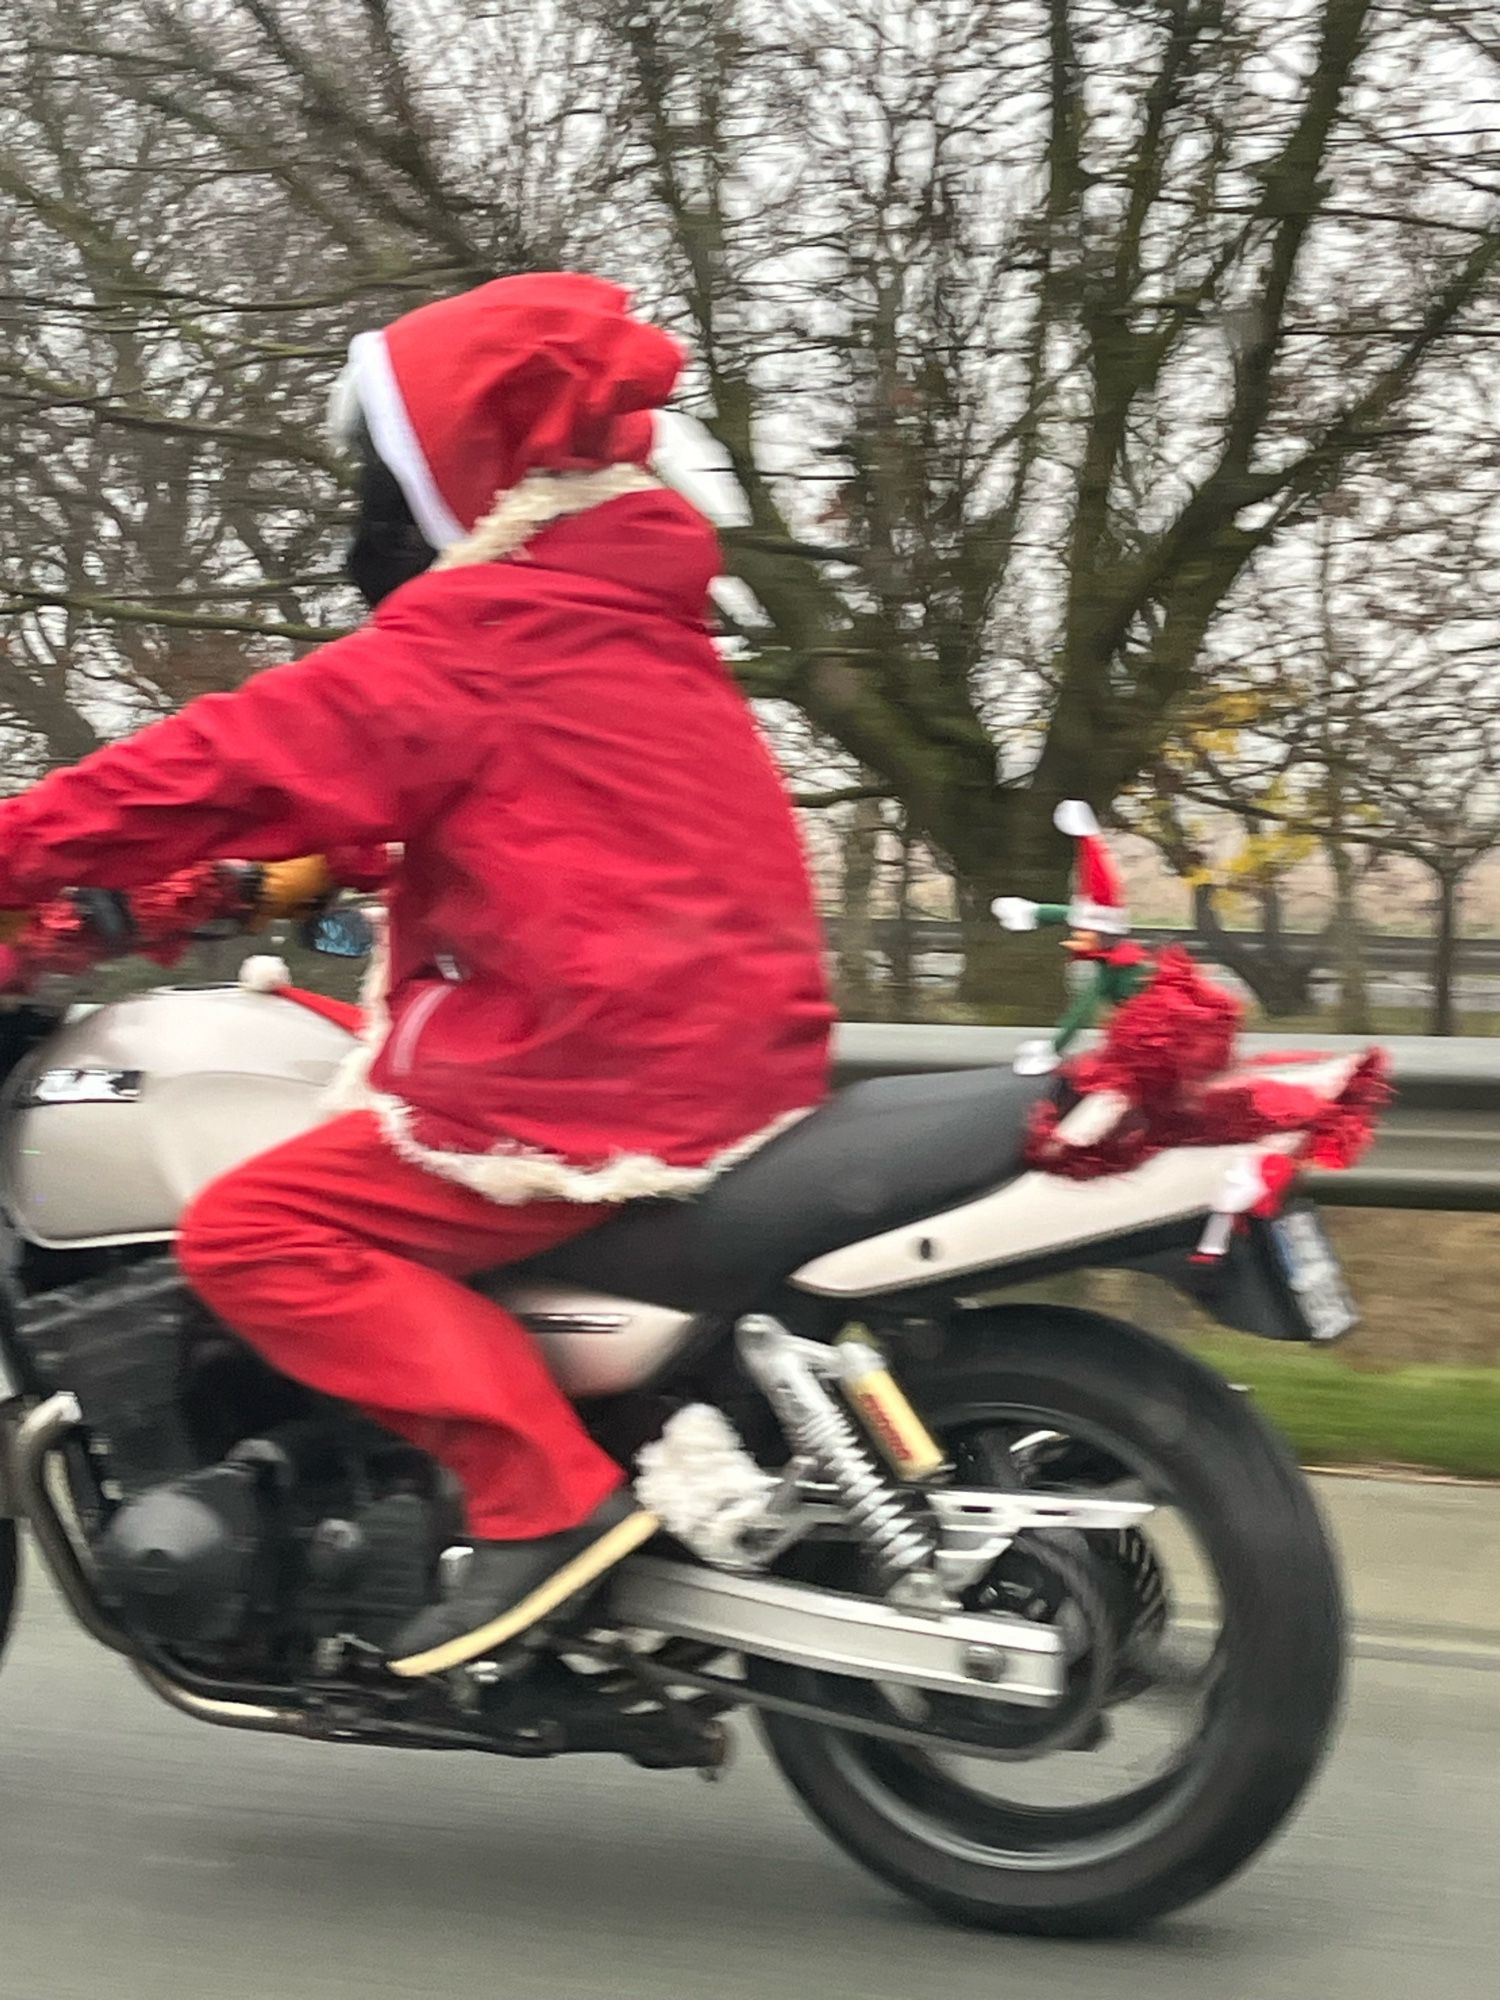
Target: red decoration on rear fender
x=1165, y=1053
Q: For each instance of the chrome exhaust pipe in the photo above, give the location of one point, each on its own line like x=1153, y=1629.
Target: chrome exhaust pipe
x=41, y=1432
x=228, y=1714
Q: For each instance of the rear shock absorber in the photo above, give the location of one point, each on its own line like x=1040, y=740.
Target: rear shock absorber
x=893, y=1525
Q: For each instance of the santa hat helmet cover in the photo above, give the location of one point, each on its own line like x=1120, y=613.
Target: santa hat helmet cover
x=1098, y=902
x=466, y=398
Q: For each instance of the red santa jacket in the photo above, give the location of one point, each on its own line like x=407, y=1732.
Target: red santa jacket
x=605, y=970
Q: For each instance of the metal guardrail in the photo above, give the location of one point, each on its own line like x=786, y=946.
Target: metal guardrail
x=1381, y=952
x=1439, y=1142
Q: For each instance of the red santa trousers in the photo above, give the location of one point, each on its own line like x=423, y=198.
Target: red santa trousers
x=340, y=1262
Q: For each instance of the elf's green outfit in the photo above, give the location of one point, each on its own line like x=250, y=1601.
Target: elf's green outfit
x=1098, y=921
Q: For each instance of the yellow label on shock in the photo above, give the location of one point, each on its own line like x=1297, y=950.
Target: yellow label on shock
x=885, y=1410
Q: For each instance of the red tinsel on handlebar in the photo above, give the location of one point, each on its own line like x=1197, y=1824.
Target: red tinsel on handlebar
x=162, y=920
x=159, y=922
x=1165, y=1052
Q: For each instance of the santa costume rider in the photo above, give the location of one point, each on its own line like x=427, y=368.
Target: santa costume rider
x=602, y=976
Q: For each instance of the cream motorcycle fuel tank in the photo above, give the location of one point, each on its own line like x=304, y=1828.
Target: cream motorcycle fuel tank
x=112, y=1125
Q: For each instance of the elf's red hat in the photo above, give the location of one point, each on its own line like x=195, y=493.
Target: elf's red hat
x=1098, y=902
x=545, y=373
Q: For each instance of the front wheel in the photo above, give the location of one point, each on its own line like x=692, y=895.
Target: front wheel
x=10, y=1578
x=1225, y=1636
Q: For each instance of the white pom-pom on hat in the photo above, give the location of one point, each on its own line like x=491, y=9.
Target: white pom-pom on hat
x=1016, y=913
x=1075, y=817
x=265, y=974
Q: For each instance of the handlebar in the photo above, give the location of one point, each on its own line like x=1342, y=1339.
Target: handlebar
x=73, y=932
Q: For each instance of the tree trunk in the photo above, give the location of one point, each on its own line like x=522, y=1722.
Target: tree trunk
x=1444, y=954
x=1288, y=972
x=1012, y=977
x=1349, y=944
x=1280, y=978
x=903, y=998
x=861, y=846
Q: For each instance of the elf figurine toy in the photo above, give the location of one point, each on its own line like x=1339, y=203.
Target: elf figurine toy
x=1098, y=936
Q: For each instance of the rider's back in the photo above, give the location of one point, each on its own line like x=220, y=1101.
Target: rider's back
x=603, y=936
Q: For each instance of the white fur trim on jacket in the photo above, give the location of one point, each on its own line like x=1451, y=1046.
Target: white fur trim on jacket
x=512, y=1174
x=541, y=498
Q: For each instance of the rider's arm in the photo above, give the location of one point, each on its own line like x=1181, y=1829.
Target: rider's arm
x=351, y=745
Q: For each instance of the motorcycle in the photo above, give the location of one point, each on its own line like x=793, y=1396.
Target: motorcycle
x=1035, y=1613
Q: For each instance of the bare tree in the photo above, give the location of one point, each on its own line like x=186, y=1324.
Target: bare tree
x=202, y=203
x=1054, y=319
x=1364, y=703
x=1033, y=329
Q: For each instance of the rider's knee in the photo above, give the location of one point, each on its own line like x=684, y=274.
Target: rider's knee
x=224, y=1232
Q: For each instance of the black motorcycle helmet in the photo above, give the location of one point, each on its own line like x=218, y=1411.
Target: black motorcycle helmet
x=387, y=548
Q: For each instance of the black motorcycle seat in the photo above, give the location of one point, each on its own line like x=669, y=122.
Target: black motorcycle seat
x=877, y=1156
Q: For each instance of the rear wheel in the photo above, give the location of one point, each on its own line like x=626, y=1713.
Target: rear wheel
x=1222, y=1626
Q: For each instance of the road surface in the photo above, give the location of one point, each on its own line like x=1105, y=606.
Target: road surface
x=143, y=1855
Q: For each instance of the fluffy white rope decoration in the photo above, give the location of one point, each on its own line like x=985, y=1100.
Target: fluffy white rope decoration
x=702, y=1484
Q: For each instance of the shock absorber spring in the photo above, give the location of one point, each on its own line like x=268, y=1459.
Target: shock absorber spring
x=894, y=1527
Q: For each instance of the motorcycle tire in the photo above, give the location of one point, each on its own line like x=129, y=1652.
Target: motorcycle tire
x=10, y=1579
x=1279, y=1665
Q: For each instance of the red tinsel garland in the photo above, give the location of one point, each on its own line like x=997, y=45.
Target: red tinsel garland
x=1165, y=1053
x=159, y=922
x=166, y=915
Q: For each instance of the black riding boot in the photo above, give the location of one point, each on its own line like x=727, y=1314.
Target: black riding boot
x=510, y=1586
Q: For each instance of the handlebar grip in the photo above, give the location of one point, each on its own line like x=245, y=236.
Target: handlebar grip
x=290, y=888
x=107, y=913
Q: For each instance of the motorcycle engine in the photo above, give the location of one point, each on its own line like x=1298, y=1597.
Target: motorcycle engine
x=230, y=1513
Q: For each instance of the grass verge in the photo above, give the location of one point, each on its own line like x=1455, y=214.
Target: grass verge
x=1432, y=1419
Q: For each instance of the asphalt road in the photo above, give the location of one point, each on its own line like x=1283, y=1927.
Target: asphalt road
x=143, y=1855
